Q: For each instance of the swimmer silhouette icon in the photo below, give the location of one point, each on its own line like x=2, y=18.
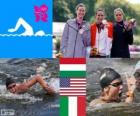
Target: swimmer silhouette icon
x=28, y=28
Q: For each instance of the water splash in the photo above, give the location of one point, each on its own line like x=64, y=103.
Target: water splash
x=23, y=98
x=54, y=83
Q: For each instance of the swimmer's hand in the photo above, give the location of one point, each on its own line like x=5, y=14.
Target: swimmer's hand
x=131, y=83
x=11, y=30
x=59, y=55
x=93, y=51
x=49, y=90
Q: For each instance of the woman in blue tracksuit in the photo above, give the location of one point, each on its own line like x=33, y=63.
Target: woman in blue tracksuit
x=76, y=35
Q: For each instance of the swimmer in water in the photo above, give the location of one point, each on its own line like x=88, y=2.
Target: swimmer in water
x=112, y=85
x=27, y=27
x=18, y=88
x=137, y=75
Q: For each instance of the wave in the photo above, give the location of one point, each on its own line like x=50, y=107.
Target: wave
x=20, y=35
x=23, y=98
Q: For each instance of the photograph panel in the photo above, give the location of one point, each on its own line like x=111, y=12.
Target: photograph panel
x=113, y=87
x=95, y=30
x=29, y=87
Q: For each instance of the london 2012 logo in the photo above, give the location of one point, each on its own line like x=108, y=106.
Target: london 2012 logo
x=41, y=13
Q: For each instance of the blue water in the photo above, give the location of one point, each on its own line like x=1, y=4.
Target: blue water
x=49, y=106
x=26, y=47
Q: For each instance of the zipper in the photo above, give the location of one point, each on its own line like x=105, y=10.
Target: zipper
x=75, y=43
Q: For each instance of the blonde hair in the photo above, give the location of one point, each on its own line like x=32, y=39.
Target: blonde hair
x=118, y=9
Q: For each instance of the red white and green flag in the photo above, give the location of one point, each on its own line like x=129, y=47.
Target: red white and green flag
x=72, y=106
x=72, y=67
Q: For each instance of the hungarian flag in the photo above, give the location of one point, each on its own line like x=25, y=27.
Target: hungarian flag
x=72, y=67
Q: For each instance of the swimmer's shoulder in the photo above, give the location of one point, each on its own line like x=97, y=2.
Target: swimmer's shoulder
x=95, y=102
x=136, y=96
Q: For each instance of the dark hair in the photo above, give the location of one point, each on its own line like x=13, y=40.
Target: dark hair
x=137, y=74
x=9, y=81
x=107, y=76
x=100, y=9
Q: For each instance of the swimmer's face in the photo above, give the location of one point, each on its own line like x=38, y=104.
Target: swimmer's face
x=138, y=84
x=115, y=88
x=118, y=16
x=100, y=16
x=81, y=12
x=12, y=88
x=137, y=77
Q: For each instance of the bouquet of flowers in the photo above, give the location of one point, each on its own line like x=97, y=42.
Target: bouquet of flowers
x=130, y=24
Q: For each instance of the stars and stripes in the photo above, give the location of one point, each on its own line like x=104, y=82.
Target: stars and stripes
x=72, y=86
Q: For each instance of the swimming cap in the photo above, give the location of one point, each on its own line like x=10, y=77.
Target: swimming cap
x=137, y=73
x=137, y=66
x=107, y=76
x=9, y=81
x=137, y=70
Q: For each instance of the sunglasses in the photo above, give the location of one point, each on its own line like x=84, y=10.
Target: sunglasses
x=10, y=87
x=116, y=84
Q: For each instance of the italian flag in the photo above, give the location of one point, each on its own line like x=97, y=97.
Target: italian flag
x=72, y=67
x=72, y=106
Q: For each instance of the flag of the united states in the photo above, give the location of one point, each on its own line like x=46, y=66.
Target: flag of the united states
x=72, y=86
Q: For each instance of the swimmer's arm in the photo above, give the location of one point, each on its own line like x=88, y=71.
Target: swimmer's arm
x=39, y=79
x=131, y=83
x=92, y=104
x=130, y=97
x=95, y=102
